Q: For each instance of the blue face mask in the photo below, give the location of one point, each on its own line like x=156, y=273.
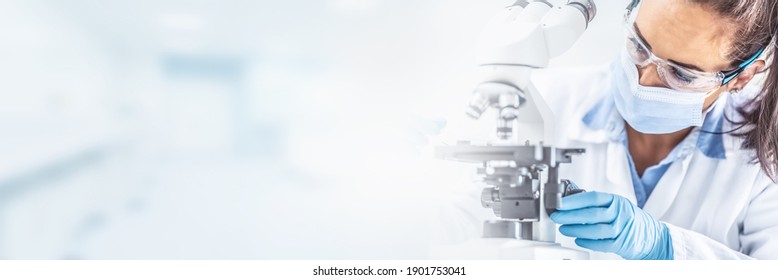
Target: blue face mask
x=653, y=110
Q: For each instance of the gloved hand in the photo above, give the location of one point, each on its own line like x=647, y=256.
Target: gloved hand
x=611, y=223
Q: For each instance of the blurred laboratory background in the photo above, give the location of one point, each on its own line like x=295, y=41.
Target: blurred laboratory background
x=235, y=129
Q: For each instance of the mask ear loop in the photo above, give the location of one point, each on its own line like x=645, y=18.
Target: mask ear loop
x=726, y=80
x=742, y=67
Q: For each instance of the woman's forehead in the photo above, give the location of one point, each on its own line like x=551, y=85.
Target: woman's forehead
x=686, y=33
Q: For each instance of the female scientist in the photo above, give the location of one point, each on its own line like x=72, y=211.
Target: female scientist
x=687, y=149
x=681, y=138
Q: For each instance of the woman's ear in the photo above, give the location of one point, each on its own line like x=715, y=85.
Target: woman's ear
x=742, y=80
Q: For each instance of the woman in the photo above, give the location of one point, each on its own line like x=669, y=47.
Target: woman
x=684, y=137
x=687, y=142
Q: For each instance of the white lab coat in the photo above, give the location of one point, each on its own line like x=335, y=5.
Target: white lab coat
x=715, y=209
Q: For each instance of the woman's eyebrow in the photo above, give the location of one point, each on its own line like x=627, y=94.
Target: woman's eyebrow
x=690, y=66
x=640, y=35
x=645, y=42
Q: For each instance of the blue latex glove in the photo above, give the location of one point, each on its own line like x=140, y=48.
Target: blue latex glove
x=611, y=223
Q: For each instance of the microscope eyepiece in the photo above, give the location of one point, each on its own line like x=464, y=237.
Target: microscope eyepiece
x=587, y=8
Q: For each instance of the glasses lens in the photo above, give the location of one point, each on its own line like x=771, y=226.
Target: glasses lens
x=639, y=54
x=674, y=76
x=685, y=80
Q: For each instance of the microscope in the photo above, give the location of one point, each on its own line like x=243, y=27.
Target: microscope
x=521, y=167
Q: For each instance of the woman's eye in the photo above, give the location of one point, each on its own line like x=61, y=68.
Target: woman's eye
x=679, y=75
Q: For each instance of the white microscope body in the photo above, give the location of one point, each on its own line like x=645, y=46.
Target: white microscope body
x=523, y=37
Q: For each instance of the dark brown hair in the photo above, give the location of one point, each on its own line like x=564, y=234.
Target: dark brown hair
x=755, y=24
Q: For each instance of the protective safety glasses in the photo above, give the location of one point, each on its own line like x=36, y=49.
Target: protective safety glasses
x=673, y=75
